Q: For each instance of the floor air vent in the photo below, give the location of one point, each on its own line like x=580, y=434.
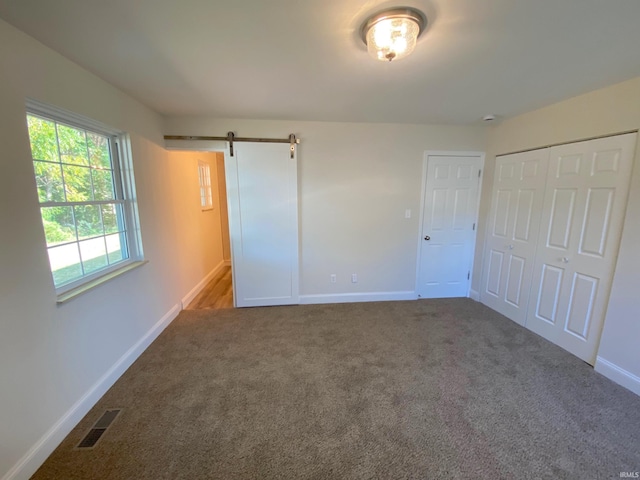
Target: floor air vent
x=96, y=432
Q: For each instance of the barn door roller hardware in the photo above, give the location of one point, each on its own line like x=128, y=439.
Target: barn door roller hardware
x=231, y=138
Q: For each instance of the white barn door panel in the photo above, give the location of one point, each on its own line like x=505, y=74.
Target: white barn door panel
x=583, y=213
x=514, y=220
x=262, y=192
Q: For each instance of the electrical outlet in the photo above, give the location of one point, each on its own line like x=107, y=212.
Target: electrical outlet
x=354, y=278
x=333, y=278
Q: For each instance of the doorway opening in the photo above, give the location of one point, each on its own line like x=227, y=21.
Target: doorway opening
x=261, y=230
x=208, y=233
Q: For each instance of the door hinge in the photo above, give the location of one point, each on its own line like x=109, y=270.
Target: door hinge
x=468, y=275
x=474, y=227
x=479, y=173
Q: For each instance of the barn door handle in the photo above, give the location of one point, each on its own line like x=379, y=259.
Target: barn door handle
x=427, y=237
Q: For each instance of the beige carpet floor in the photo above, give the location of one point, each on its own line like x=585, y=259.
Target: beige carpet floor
x=424, y=389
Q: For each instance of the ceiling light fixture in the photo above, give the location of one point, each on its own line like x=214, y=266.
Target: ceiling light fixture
x=392, y=34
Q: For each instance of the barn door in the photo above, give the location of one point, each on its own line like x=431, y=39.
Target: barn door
x=262, y=195
x=583, y=213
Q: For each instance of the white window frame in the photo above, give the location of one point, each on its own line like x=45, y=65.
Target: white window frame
x=206, y=191
x=125, y=193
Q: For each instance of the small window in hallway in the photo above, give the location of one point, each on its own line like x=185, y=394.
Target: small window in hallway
x=204, y=175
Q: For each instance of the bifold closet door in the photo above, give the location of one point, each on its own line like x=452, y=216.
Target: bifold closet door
x=518, y=192
x=262, y=192
x=583, y=214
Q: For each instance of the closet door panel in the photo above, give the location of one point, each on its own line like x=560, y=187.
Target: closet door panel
x=583, y=210
x=513, y=232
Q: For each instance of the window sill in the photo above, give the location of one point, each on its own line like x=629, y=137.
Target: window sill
x=90, y=285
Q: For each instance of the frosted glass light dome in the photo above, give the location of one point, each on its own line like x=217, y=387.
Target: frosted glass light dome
x=393, y=34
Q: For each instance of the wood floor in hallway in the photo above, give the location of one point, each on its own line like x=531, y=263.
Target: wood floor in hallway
x=218, y=294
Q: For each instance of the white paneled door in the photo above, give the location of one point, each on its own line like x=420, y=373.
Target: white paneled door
x=263, y=224
x=583, y=213
x=518, y=192
x=448, y=225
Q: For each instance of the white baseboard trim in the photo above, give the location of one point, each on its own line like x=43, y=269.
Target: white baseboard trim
x=618, y=375
x=186, y=300
x=37, y=454
x=357, y=297
x=474, y=295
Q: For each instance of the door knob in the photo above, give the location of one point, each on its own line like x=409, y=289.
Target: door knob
x=564, y=260
x=427, y=237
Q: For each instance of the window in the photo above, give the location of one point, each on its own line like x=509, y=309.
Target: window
x=85, y=188
x=204, y=175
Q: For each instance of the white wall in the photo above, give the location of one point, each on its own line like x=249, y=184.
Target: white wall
x=355, y=183
x=610, y=110
x=51, y=356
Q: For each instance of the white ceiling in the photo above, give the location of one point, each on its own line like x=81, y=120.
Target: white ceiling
x=303, y=60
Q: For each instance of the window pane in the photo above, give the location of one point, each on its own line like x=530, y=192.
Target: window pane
x=65, y=263
x=102, y=184
x=76, y=172
x=73, y=145
x=42, y=135
x=88, y=221
x=58, y=224
x=110, y=218
x=49, y=181
x=77, y=183
x=114, y=248
x=99, y=150
x=94, y=255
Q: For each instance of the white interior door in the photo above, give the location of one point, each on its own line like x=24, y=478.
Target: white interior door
x=262, y=192
x=514, y=220
x=587, y=188
x=448, y=225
